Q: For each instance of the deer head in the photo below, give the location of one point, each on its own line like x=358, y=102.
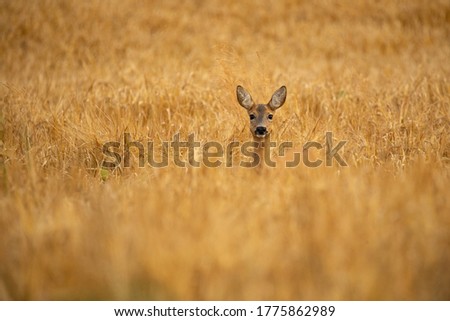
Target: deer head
x=261, y=115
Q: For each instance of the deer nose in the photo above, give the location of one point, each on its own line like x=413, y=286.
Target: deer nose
x=260, y=130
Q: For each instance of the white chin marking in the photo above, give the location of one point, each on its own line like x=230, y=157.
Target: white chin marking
x=260, y=136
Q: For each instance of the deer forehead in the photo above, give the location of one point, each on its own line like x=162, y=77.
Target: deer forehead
x=260, y=109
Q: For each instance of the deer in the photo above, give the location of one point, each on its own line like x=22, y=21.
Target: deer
x=261, y=116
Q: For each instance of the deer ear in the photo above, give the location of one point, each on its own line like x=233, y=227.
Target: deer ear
x=278, y=98
x=244, y=98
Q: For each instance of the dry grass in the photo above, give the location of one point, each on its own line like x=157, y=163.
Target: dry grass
x=76, y=74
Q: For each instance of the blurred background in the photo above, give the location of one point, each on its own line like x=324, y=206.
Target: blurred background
x=77, y=74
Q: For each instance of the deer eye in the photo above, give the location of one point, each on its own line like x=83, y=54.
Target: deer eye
x=270, y=116
x=252, y=117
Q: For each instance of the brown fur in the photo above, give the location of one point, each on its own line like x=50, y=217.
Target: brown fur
x=261, y=116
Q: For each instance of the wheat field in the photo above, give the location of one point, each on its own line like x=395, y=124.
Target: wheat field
x=77, y=74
